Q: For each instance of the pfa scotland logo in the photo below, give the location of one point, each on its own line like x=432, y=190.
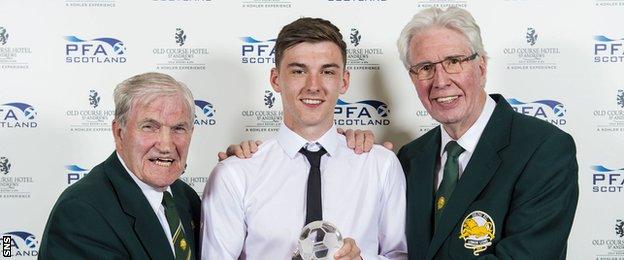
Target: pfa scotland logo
x=355, y=37
x=608, y=49
x=208, y=111
x=257, y=51
x=477, y=231
x=180, y=37
x=548, y=110
x=206, y=108
x=366, y=112
x=531, y=36
x=607, y=180
x=269, y=98
x=99, y=50
x=619, y=227
x=17, y=115
x=4, y=36
x=5, y=165
x=20, y=243
x=75, y=173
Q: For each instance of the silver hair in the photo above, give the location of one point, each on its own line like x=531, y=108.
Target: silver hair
x=453, y=18
x=146, y=87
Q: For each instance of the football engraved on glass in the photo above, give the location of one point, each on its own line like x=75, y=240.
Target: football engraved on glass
x=319, y=240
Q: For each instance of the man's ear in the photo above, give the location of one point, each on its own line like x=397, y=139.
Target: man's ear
x=274, y=79
x=346, y=79
x=116, y=127
x=483, y=68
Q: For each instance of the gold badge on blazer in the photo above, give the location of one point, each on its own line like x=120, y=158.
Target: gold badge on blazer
x=477, y=231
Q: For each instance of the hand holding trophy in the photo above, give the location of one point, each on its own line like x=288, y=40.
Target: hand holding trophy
x=319, y=240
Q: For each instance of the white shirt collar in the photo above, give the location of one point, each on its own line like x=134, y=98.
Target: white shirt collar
x=154, y=196
x=291, y=142
x=469, y=140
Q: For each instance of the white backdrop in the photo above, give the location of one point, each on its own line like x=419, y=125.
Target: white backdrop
x=60, y=60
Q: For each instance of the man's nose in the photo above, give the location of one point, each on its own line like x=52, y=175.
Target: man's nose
x=440, y=77
x=312, y=82
x=165, y=142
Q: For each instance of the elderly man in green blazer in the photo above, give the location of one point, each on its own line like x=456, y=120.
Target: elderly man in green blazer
x=133, y=206
x=489, y=183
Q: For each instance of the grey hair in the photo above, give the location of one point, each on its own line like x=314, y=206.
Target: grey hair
x=453, y=18
x=146, y=87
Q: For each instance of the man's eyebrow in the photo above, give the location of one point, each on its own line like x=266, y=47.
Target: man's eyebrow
x=445, y=58
x=149, y=120
x=182, y=124
x=296, y=64
x=330, y=65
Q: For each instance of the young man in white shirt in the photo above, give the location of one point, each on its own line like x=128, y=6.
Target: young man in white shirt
x=255, y=208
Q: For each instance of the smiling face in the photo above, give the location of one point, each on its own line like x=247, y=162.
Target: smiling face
x=454, y=100
x=310, y=78
x=155, y=140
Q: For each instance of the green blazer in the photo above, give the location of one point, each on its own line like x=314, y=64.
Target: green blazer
x=106, y=216
x=523, y=175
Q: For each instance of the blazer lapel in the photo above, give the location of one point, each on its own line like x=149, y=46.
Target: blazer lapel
x=482, y=166
x=420, y=179
x=146, y=226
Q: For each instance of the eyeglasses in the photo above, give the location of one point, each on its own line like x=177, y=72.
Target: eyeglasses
x=451, y=65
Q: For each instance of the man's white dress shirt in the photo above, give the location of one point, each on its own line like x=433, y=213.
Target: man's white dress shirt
x=468, y=141
x=154, y=197
x=255, y=208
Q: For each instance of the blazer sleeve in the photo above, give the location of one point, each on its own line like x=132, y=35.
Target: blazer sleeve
x=543, y=205
x=77, y=230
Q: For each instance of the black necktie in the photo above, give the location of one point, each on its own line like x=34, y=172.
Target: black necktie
x=314, y=208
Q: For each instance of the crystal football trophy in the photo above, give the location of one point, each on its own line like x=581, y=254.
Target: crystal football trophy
x=319, y=240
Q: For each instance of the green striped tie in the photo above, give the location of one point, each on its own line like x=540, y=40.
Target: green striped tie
x=451, y=174
x=180, y=243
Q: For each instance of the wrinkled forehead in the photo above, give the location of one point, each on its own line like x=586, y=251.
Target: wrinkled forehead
x=437, y=43
x=167, y=104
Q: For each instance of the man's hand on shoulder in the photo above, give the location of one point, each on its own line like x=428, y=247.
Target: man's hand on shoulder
x=361, y=140
x=244, y=150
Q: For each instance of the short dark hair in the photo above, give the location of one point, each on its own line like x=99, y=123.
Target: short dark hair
x=311, y=30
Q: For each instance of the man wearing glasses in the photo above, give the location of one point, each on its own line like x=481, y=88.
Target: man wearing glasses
x=488, y=183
